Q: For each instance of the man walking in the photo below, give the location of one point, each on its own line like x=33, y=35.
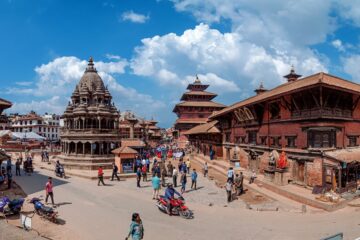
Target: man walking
x=114, y=173
x=206, y=169
x=138, y=177
x=101, y=176
x=193, y=179
x=144, y=173
x=49, y=191
x=188, y=165
x=237, y=181
x=8, y=165
x=230, y=175
x=9, y=179
x=156, y=186
x=228, y=188
x=183, y=181
x=17, y=167
x=174, y=177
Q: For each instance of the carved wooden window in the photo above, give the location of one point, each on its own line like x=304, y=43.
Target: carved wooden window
x=275, y=141
x=352, y=141
x=291, y=141
x=263, y=140
x=252, y=137
x=274, y=109
x=321, y=139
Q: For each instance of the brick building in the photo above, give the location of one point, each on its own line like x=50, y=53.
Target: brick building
x=195, y=108
x=315, y=120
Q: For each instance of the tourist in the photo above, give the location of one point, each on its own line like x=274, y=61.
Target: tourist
x=163, y=175
x=136, y=228
x=138, y=177
x=147, y=161
x=253, y=176
x=156, y=186
x=206, y=169
x=228, y=188
x=188, y=165
x=170, y=168
x=230, y=175
x=238, y=184
x=8, y=165
x=9, y=179
x=193, y=179
x=49, y=191
x=114, y=172
x=144, y=173
x=17, y=167
x=137, y=164
x=183, y=181
x=241, y=183
x=174, y=177
x=143, y=162
x=212, y=154
x=101, y=176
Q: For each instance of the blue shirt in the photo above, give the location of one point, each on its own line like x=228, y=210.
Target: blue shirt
x=194, y=176
x=155, y=182
x=136, y=231
x=170, y=193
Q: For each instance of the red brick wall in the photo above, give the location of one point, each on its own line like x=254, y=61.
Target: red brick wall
x=314, y=172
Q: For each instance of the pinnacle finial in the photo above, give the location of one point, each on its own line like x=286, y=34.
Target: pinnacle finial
x=197, y=80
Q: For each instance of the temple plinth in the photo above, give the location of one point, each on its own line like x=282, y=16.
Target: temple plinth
x=90, y=130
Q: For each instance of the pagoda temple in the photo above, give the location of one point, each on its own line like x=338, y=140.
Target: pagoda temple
x=195, y=108
x=90, y=127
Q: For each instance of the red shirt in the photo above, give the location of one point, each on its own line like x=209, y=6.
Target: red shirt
x=144, y=169
x=100, y=172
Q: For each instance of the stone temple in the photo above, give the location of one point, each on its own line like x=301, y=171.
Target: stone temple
x=90, y=127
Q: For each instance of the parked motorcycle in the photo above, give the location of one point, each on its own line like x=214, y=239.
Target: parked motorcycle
x=178, y=207
x=44, y=211
x=11, y=207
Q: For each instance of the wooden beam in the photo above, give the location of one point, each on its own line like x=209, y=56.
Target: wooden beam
x=294, y=102
x=355, y=103
x=316, y=101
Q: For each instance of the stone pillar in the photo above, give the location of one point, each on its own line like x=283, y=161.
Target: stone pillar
x=76, y=147
x=99, y=118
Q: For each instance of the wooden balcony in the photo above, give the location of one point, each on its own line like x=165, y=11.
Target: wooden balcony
x=322, y=113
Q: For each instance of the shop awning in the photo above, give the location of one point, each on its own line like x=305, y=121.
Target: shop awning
x=349, y=155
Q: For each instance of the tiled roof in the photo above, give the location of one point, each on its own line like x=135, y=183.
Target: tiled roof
x=200, y=104
x=204, y=128
x=4, y=102
x=298, y=85
x=348, y=155
x=194, y=120
x=124, y=149
x=132, y=143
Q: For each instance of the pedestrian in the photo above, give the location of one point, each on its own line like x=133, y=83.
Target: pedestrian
x=174, y=177
x=49, y=191
x=163, y=175
x=114, y=172
x=188, y=165
x=17, y=167
x=170, y=168
x=138, y=177
x=156, y=186
x=253, y=176
x=9, y=179
x=237, y=183
x=241, y=183
x=101, y=176
x=206, y=169
x=183, y=181
x=8, y=165
x=228, y=188
x=230, y=175
x=136, y=228
x=147, y=164
x=193, y=179
x=144, y=173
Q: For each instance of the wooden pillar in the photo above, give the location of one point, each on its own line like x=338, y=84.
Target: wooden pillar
x=76, y=147
x=83, y=148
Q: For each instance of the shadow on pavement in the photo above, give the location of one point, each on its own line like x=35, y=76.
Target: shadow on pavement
x=36, y=182
x=62, y=203
x=191, y=190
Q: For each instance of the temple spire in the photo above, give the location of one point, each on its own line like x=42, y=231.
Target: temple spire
x=90, y=66
x=197, y=80
x=260, y=89
x=292, y=76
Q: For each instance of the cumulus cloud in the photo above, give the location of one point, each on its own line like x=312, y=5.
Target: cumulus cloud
x=59, y=77
x=225, y=60
x=24, y=83
x=351, y=67
x=338, y=45
x=134, y=17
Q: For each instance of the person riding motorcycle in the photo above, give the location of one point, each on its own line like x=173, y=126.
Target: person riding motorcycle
x=169, y=195
x=59, y=169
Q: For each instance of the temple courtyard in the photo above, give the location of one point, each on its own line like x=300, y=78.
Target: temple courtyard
x=87, y=211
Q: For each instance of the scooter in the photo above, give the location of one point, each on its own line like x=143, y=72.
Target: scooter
x=11, y=207
x=178, y=207
x=44, y=211
x=60, y=172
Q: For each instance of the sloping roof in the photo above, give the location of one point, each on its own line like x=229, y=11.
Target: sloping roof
x=193, y=120
x=28, y=135
x=348, y=155
x=132, y=143
x=4, y=133
x=200, y=104
x=124, y=149
x=198, y=93
x=5, y=102
x=298, y=85
x=204, y=128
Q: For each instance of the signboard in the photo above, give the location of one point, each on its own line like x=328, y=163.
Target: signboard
x=25, y=221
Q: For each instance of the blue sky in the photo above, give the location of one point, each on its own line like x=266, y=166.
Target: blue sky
x=148, y=51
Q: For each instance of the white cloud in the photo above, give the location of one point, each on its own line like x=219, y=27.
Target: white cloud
x=338, y=45
x=134, y=17
x=59, y=77
x=24, y=83
x=225, y=60
x=351, y=67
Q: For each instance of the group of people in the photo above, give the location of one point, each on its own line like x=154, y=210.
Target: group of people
x=234, y=183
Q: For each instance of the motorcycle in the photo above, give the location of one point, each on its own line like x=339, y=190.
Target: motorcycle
x=11, y=207
x=60, y=172
x=44, y=211
x=178, y=207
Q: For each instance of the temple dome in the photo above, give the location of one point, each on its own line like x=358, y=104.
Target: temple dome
x=91, y=80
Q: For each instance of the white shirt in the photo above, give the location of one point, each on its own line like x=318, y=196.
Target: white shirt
x=175, y=172
x=143, y=162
